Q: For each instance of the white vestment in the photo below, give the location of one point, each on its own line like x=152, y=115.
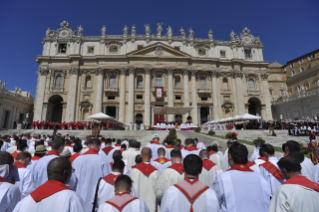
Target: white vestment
x=166, y=179
x=62, y=201
x=220, y=153
x=255, y=168
x=200, y=145
x=89, y=168
x=137, y=205
x=9, y=196
x=216, y=158
x=241, y=191
x=26, y=182
x=129, y=155
x=272, y=181
x=12, y=149
x=186, y=152
x=208, y=176
x=226, y=154
x=316, y=173
x=160, y=167
x=255, y=154
x=145, y=186
x=154, y=148
x=308, y=169
x=109, y=156
x=40, y=175
x=294, y=198
x=5, y=146
x=175, y=201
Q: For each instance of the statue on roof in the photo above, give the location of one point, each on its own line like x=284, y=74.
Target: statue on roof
x=169, y=31
x=159, y=29
x=147, y=29
x=80, y=30
x=103, y=30
x=232, y=36
x=182, y=31
x=133, y=30
x=210, y=34
x=191, y=33
x=4, y=84
x=125, y=30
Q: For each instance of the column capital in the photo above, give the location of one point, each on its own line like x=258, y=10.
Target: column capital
x=99, y=71
x=185, y=71
x=264, y=76
x=74, y=70
x=147, y=70
x=43, y=71
x=215, y=73
x=132, y=70
x=122, y=71
x=193, y=72
x=169, y=70
x=237, y=74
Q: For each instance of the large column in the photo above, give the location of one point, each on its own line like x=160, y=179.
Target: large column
x=264, y=78
x=186, y=92
x=215, y=91
x=170, y=92
x=147, y=97
x=99, y=92
x=44, y=112
x=239, y=92
x=64, y=111
x=72, y=94
x=122, y=95
x=40, y=94
x=194, y=97
x=131, y=95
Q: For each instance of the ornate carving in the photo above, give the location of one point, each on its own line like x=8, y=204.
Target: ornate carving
x=74, y=70
x=252, y=75
x=103, y=31
x=193, y=72
x=80, y=31
x=99, y=71
x=169, y=70
x=159, y=50
x=264, y=76
x=64, y=32
x=49, y=33
x=132, y=70
x=215, y=73
x=147, y=70
x=159, y=29
x=238, y=74
x=43, y=71
x=4, y=84
x=122, y=71
x=245, y=38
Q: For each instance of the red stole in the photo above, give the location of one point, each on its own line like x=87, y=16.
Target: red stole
x=35, y=158
x=162, y=160
x=182, y=146
x=122, y=150
x=118, y=145
x=2, y=180
x=155, y=142
x=208, y=164
x=169, y=146
x=121, y=200
x=107, y=149
x=110, y=178
x=74, y=156
x=53, y=152
x=49, y=188
x=249, y=163
x=191, y=189
x=302, y=181
x=19, y=164
x=145, y=168
x=285, y=154
x=177, y=167
x=111, y=164
x=272, y=170
x=191, y=148
x=15, y=154
x=211, y=152
x=240, y=167
x=262, y=158
x=91, y=151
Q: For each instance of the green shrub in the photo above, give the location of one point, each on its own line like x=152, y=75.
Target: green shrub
x=303, y=149
x=259, y=139
x=171, y=134
x=197, y=129
x=228, y=135
x=211, y=132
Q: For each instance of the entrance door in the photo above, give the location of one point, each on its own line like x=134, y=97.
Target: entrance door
x=204, y=114
x=111, y=111
x=6, y=119
x=158, y=118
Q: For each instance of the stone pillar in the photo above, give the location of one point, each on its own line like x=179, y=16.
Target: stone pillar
x=102, y=50
x=194, y=97
x=64, y=111
x=215, y=92
x=170, y=92
x=117, y=112
x=40, y=94
x=147, y=99
x=239, y=92
x=131, y=95
x=152, y=115
x=186, y=92
x=72, y=94
x=264, y=78
x=78, y=47
x=210, y=113
x=198, y=115
x=99, y=92
x=44, y=112
x=122, y=95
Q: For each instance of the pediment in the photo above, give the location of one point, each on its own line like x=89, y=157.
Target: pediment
x=159, y=50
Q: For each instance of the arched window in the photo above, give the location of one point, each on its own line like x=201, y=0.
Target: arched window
x=251, y=85
x=202, y=83
x=88, y=82
x=139, y=82
x=112, y=82
x=177, y=82
x=158, y=81
x=58, y=81
x=139, y=118
x=225, y=84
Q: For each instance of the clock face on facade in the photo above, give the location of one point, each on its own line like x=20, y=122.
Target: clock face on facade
x=246, y=39
x=64, y=33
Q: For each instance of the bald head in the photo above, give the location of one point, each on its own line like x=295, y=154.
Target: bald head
x=60, y=169
x=146, y=154
x=203, y=154
x=161, y=151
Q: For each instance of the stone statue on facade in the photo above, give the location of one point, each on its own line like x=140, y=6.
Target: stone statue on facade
x=19, y=91
x=103, y=30
x=125, y=30
x=169, y=31
x=133, y=30
x=210, y=34
x=4, y=84
x=16, y=90
x=159, y=29
x=80, y=30
x=49, y=33
x=0, y=83
x=28, y=95
x=257, y=40
x=232, y=36
x=182, y=31
x=147, y=29
x=191, y=33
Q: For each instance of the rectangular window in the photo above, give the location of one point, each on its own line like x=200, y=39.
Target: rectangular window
x=139, y=47
x=201, y=52
x=248, y=54
x=270, y=91
x=178, y=98
x=139, y=83
x=302, y=70
x=204, y=98
x=177, y=84
x=90, y=50
x=158, y=81
x=293, y=73
x=139, y=97
x=292, y=65
x=222, y=54
x=202, y=83
x=62, y=48
x=111, y=97
x=112, y=82
x=301, y=61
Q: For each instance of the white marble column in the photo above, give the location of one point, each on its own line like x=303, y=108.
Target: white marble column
x=102, y=46
x=265, y=86
x=78, y=47
x=215, y=92
x=239, y=92
x=72, y=94
x=186, y=92
x=131, y=95
x=170, y=92
x=147, y=97
x=44, y=112
x=64, y=111
x=194, y=97
x=99, y=92
x=122, y=95
x=40, y=94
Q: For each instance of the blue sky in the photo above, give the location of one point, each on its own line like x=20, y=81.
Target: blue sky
x=287, y=28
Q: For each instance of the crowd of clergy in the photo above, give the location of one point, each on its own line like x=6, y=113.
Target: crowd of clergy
x=66, y=174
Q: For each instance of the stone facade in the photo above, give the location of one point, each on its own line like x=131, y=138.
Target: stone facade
x=277, y=81
x=82, y=75
x=14, y=106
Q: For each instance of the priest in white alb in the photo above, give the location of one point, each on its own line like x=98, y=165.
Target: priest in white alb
x=130, y=154
x=108, y=150
x=298, y=193
x=154, y=145
x=190, y=195
x=161, y=162
x=216, y=158
x=189, y=148
x=209, y=171
x=145, y=178
x=53, y=195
